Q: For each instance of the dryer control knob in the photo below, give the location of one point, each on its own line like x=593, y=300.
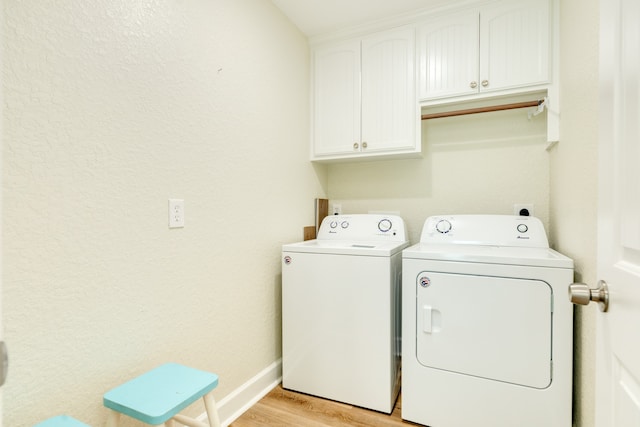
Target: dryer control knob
x=333, y=224
x=344, y=224
x=384, y=225
x=523, y=228
x=443, y=226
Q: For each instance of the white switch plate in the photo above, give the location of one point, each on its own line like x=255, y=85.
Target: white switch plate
x=176, y=213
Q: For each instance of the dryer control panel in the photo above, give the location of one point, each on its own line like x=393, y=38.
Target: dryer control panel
x=363, y=227
x=487, y=230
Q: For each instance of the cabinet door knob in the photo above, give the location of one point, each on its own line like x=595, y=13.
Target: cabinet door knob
x=355, y=145
x=364, y=145
x=485, y=83
x=473, y=85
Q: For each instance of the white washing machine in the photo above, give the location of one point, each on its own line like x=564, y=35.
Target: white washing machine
x=341, y=311
x=487, y=325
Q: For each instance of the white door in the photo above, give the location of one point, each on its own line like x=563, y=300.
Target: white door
x=389, y=97
x=449, y=55
x=618, y=330
x=336, y=98
x=488, y=347
x=514, y=44
x=3, y=360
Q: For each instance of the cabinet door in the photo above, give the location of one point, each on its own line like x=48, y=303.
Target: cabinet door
x=336, y=102
x=449, y=56
x=389, y=96
x=514, y=44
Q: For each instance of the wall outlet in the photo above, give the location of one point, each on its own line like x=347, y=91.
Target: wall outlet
x=176, y=213
x=523, y=209
x=336, y=209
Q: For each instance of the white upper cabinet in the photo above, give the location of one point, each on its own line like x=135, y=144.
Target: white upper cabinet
x=497, y=47
x=364, y=97
x=367, y=91
x=389, y=101
x=514, y=44
x=449, y=55
x=336, y=99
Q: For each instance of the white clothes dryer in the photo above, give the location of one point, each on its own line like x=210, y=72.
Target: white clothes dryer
x=487, y=325
x=341, y=311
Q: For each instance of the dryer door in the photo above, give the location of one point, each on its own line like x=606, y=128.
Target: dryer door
x=495, y=328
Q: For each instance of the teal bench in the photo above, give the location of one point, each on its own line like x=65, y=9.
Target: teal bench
x=157, y=397
x=61, y=421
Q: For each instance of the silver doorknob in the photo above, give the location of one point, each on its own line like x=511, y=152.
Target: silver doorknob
x=580, y=293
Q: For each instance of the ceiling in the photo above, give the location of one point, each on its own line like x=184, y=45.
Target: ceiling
x=315, y=17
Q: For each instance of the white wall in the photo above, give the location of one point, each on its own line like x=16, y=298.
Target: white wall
x=482, y=164
x=574, y=181
x=113, y=107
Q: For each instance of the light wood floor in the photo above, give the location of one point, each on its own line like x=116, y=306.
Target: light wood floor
x=286, y=408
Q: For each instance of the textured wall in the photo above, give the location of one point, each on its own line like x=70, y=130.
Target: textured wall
x=574, y=181
x=476, y=164
x=113, y=107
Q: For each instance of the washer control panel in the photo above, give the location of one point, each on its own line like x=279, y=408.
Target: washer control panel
x=493, y=230
x=443, y=226
x=363, y=227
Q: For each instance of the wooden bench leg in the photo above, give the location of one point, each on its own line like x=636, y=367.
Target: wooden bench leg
x=212, y=411
x=188, y=421
x=113, y=418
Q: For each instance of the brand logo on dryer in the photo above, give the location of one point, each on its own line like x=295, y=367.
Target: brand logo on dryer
x=424, y=281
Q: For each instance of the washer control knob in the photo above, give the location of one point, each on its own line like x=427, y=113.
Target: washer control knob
x=333, y=224
x=344, y=224
x=385, y=225
x=443, y=226
x=523, y=228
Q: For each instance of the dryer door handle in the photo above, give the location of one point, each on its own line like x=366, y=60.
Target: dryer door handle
x=427, y=319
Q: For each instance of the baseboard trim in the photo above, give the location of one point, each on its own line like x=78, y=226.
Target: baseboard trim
x=238, y=401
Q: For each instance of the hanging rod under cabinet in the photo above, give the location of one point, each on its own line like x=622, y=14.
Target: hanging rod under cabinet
x=483, y=109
